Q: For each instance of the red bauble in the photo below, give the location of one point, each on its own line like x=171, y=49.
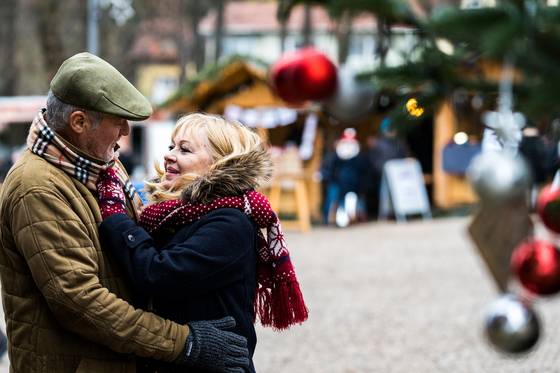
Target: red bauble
x=548, y=207
x=303, y=75
x=537, y=266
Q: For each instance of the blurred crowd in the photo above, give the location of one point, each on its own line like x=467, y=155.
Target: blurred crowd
x=352, y=174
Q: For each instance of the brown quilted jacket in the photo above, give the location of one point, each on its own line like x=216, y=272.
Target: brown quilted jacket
x=65, y=302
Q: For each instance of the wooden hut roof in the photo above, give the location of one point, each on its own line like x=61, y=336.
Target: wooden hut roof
x=236, y=81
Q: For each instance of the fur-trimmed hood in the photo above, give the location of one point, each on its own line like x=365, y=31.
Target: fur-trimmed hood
x=232, y=178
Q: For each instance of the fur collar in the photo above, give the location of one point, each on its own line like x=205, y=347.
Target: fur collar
x=232, y=178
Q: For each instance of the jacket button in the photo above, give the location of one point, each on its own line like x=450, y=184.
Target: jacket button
x=131, y=238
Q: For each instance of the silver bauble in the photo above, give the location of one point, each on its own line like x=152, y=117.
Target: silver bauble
x=499, y=176
x=352, y=99
x=511, y=325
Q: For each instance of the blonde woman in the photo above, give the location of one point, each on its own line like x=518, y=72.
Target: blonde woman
x=199, y=252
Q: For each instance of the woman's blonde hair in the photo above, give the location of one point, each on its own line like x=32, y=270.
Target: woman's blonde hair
x=223, y=139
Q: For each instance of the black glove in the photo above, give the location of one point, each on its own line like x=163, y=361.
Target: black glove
x=211, y=347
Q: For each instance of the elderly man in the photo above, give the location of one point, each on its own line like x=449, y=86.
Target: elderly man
x=67, y=306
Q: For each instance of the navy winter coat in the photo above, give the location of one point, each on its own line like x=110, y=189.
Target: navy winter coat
x=205, y=270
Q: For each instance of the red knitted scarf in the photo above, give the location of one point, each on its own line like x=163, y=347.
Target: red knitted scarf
x=278, y=300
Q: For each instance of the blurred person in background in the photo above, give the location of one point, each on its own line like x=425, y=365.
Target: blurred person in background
x=346, y=170
x=5, y=162
x=198, y=250
x=127, y=160
x=329, y=185
x=67, y=305
x=380, y=150
x=541, y=157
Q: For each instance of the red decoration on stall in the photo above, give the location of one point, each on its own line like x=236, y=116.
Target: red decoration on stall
x=548, y=207
x=536, y=264
x=304, y=75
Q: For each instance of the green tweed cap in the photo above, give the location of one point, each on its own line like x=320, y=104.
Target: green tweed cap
x=87, y=81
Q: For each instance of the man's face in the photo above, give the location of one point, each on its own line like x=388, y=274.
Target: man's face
x=101, y=142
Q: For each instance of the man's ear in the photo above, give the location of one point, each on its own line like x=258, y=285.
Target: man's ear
x=78, y=121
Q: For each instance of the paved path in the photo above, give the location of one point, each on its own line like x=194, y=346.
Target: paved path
x=394, y=298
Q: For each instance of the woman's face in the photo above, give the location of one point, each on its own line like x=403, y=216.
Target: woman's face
x=187, y=153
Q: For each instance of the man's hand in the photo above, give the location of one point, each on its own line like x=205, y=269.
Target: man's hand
x=212, y=347
x=110, y=194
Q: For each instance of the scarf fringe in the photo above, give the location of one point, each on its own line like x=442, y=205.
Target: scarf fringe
x=280, y=305
x=262, y=305
x=288, y=307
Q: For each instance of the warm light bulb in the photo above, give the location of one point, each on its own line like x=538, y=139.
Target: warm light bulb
x=414, y=108
x=460, y=138
x=445, y=46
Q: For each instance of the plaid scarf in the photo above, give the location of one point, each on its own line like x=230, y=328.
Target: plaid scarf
x=278, y=300
x=44, y=142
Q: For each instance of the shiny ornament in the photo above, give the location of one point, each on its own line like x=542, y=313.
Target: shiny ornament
x=353, y=98
x=496, y=231
x=511, y=325
x=536, y=263
x=304, y=75
x=497, y=177
x=548, y=207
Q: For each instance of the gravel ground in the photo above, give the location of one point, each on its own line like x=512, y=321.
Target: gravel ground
x=392, y=298
x=408, y=298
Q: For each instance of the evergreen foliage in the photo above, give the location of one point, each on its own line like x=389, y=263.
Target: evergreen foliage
x=526, y=33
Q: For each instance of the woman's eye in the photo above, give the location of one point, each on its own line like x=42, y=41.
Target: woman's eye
x=170, y=147
x=185, y=150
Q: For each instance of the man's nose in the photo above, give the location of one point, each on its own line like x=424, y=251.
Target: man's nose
x=125, y=128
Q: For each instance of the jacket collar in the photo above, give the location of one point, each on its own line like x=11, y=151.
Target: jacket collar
x=232, y=177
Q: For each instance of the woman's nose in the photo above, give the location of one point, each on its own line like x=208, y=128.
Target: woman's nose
x=169, y=157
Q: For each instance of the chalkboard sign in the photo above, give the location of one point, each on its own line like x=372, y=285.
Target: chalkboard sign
x=402, y=190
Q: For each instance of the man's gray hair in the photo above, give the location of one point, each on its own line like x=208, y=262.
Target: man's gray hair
x=58, y=113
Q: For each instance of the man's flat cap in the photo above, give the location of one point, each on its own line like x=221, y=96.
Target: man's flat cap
x=89, y=82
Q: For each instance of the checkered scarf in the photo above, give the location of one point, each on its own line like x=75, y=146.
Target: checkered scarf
x=278, y=301
x=44, y=142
